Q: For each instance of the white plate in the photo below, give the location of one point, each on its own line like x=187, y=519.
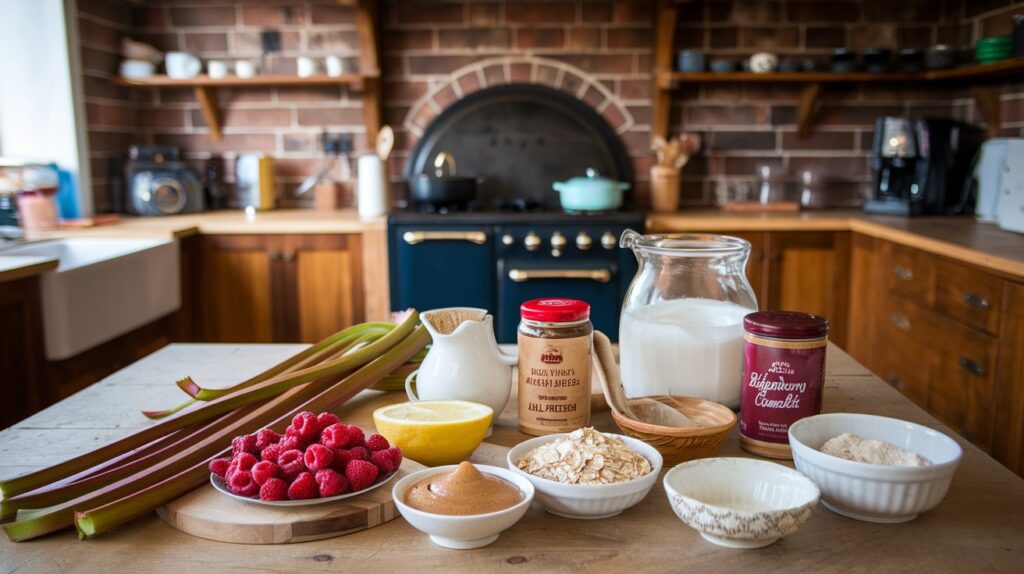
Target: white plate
x=220, y=486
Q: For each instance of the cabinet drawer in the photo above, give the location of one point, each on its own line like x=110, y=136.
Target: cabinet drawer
x=908, y=377
x=957, y=364
x=969, y=295
x=910, y=273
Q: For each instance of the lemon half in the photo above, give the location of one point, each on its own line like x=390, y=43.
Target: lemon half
x=434, y=432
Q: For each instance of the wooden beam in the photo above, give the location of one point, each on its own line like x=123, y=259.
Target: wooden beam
x=987, y=98
x=806, y=108
x=366, y=30
x=211, y=113
x=665, y=17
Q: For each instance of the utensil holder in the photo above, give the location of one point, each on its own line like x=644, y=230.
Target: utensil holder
x=665, y=189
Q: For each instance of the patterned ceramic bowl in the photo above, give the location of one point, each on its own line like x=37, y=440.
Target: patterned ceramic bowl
x=740, y=502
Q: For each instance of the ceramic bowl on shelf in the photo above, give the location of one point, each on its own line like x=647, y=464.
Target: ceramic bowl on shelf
x=588, y=501
x=875, y=492
x=740, y=502
x=468, y=531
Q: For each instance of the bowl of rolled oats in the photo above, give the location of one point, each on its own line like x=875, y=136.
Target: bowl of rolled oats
x=586, y=473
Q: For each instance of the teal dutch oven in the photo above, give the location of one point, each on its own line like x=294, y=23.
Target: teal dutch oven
x=590, y=193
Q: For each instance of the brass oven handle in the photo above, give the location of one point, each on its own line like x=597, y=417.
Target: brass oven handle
x=599, y=275
x=415, y=237
x=977, y=301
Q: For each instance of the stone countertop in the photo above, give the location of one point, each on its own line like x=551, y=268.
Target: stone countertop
x=977, y=527
x=962, y=238
x=20, y=266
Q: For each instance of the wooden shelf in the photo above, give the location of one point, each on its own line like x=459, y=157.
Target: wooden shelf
x=983, y=79
x=272, y=80
x=368, y=81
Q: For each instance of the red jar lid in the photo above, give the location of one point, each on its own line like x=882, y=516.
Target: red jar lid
x=555, y=310
x=786, y=325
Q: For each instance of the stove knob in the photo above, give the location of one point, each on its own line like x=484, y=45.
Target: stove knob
x=609, y=241
x=532, y=241
x=558, y=241
x=508, y=240
x=584, y=241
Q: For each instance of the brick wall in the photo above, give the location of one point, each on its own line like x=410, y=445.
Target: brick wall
x=983, y=18
x=606, y=44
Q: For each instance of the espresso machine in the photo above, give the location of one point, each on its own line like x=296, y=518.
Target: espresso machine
x=921, y=166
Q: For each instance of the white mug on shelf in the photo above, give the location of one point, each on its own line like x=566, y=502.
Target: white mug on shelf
x=305, y=66
x=763, y=62
x=334, y=65
x=217, y=68
x=245, y=69
x=182, y=65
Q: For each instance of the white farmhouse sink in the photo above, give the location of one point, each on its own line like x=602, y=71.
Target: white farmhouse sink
x=103, y=288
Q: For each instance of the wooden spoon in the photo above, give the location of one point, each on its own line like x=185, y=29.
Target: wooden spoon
x=385, y=142
x=642, y=409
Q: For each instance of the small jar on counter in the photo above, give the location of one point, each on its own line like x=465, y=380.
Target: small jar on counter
x=783, y=377
x=555, y=348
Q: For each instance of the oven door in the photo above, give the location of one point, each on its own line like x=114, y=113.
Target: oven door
x=433, y=267
x=596, y=282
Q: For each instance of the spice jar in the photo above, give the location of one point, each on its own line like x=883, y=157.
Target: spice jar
x=555, y=346
x=784, y=369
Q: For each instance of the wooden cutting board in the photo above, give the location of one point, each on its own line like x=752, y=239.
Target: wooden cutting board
x=206, y=513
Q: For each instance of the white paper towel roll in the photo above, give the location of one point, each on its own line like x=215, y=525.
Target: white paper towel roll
x=372, y=187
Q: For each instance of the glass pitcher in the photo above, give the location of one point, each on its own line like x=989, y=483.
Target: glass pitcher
x=681, y=331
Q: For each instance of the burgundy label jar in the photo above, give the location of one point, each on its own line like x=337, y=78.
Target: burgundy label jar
x=784, y=368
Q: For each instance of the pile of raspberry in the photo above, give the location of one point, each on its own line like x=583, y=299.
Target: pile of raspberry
x=318, y=456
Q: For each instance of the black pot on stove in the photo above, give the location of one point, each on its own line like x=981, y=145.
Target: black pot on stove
x=442, y=188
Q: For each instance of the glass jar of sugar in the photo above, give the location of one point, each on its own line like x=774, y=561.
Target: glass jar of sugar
x=681, y=330
x=783, y=377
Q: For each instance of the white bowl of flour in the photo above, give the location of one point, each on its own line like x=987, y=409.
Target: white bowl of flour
x=868, y=491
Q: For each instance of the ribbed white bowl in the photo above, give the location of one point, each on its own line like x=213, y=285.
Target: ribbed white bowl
x=874, y=492
x=588, y=501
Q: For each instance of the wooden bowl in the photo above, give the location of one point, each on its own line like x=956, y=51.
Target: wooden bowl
x=680, y=444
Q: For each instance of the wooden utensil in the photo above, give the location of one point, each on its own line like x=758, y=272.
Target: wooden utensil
x=385, y=142
x=206, y=513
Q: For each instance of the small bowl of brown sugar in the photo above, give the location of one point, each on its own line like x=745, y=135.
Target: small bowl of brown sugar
x=872, y=468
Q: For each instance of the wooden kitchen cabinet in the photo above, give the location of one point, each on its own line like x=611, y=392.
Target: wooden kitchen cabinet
x=21, y=350
x=278, y=288
x=1008, y=444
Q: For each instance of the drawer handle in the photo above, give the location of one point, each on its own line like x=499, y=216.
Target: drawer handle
x=902, y=272
x=415, y=237
x=523, y=275
x=976, y=301
x=273, y=255
x=899, y=321
x=896, y=382
x=973, y=367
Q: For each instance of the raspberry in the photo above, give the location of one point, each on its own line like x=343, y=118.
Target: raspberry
x=263, y=471
x=341, y=460
x=337, y=436
x=305, y=426
x=271, y=453
x=359, y=453
x=324, y=420
x=318, y=457
x=265, y=438
x=331, y=483
x=243, y=443
x=360, y=474
x=219, y=466
x=274, y=489
x=291, y=464
x=242, y=484
x=355, y=436
x=244, y=461
x=377, y=442
x=304, y=486
x=290, y=442
x=396, y=455
x=382, y=459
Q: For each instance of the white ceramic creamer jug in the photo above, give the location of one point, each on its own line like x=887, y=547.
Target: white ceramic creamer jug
x=464, y=362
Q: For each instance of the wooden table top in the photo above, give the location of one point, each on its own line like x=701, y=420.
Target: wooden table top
x=979, y=527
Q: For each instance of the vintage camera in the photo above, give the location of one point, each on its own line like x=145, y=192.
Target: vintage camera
x=159, y=183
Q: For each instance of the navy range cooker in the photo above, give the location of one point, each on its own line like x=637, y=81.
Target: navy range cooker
x=495, y=260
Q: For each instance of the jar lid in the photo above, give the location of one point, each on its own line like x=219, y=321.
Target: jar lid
x=786, y=325
x=555, y=310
